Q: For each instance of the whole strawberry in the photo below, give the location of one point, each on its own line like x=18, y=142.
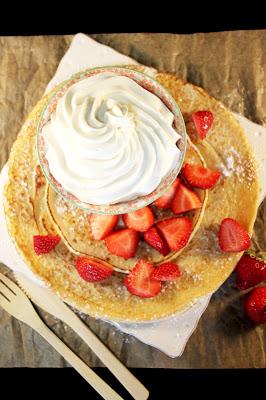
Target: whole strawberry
x=255, y=305
x=249, y=272
x=43, y=244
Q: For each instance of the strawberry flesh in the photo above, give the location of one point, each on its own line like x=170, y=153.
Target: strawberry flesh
x=185, y=200
x=43, y=244
x=249, y=272
x=167, y=271
x=123, y=242
x=166, y=199
x=139, y=281
x=140, y=220
x=233, y=237
x=255, y=305
x=154, y=239
x=176, y=231
x=91, y=270
x=203, y=121
x=199, y=176
x=102, y=225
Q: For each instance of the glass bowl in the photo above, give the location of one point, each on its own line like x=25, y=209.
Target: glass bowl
x=149, y=84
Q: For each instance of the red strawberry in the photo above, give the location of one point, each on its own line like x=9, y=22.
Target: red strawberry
x=203, y=121
x=140, y=220
x=233, y=237
x=166, y=199
x=155, y=240
x=185, y=200
x=176, y=231
x=139, y=281
x=167, y=271
x=249, y=272
x=200, y=177
x=123, y=242
x=91, y=270
x=255, y=305
x=102, y=225
x=44, y=244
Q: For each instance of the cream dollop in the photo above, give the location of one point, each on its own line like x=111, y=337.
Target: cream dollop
x=110, y=140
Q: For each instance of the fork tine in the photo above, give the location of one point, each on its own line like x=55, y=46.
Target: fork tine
x=8, y=282
x=5, y=291
x=3, y=300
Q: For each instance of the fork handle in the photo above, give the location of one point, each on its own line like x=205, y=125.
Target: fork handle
x=123, y=375
x=87, y=373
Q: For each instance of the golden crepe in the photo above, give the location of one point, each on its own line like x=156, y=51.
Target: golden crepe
x=32, y=208
x=78, y=237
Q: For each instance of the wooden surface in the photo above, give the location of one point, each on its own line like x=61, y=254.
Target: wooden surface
x=229, y=65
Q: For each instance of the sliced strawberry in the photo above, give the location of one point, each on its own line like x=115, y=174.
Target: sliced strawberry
x=167, y=271
x=200, y=177
x=43, y=244
x=155, y=240
x=139, y=281
x=140, y=220
x=203, y=121
x=102, y=225
x=176, y=231
x=185, y=200
x=166, y=199
x=91, y=270
x=249, y=272
x=233, y=237
x=123, y=242
x=255, y=305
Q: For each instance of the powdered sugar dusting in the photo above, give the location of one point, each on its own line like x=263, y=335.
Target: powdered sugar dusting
x=234, y=164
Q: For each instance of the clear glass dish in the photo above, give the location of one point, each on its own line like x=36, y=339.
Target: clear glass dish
x=148, y=83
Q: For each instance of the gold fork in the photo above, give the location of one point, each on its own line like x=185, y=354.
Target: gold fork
x=16, y=303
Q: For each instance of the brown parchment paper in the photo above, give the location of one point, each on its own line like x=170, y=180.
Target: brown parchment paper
x=229, y=65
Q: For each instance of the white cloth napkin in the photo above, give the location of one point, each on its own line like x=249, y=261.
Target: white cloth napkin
x=169, y=335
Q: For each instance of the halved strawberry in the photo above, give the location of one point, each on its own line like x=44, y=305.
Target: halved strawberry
x=139, y=281
x=91, y=270
x=123, y=242
x=166, y=199
x=176, y=231
x=249, y=272
x=255, y=305
x=102, y=225
x=203, y=121
x=43, y=244
x=233, y=237
x=199, y=176
x=167, y=271
x=155, y=240
x=185, y=200
x=140, y=220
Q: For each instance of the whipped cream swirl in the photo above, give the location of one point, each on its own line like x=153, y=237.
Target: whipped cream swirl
x=110, y=140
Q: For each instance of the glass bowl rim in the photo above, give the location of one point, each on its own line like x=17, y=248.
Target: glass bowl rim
x=175, y=110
